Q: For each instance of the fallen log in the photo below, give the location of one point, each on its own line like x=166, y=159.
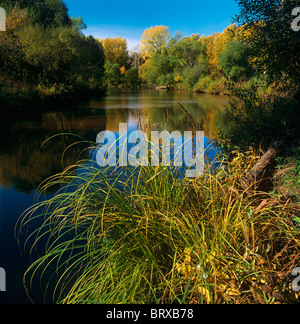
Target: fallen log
x=257, y=174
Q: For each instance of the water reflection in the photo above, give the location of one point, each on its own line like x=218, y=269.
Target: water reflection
x=161, y=106
x=25, y=162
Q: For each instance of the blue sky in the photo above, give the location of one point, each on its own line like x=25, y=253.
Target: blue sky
x=129, y=19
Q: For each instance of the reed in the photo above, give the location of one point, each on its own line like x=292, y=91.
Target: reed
x=148, y=236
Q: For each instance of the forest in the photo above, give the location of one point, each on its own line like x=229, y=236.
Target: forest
x=43, y=53
x=145, y=235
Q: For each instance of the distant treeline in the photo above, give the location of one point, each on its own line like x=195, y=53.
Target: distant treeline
x=195, y=63
x=44, y=53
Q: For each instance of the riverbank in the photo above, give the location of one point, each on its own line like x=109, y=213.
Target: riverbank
x=165, y=228
x=158, y=239
x=18, y=99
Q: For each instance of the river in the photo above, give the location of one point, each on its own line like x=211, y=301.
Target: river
x=28, y=156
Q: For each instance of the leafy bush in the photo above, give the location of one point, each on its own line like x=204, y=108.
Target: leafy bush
x=192, y=75
x=203, y=84
x=132, y=78
x=209, y=85
x=217, y=87
x=254, y=117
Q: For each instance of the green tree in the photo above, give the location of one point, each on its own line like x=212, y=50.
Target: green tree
x=44, y=12
x=192, y=75
x=275, y=43
x=234, y=61
x=132, y=78
x=91, y=62
x=189, y=51
x=159, y=70
x=61, y=55
x=33, y=55
x=112, y=74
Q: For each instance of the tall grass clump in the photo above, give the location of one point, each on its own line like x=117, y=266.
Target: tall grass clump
x=148, y=236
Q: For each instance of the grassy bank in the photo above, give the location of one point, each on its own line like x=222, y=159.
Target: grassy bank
x=149, y=237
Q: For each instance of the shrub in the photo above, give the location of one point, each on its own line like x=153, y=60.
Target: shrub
x=217, y=87
x=209, y=85
x=255, y=117
x=203, y=84
x=192, y=75
x=132, y=78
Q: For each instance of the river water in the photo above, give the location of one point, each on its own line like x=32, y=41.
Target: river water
x=33, y=147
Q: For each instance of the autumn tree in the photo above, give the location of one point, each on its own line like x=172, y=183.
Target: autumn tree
x=216, y=44
x=43, y=12
x=154, y=40
x=116, y=51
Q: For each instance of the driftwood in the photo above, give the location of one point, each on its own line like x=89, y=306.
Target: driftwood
x=258, y=172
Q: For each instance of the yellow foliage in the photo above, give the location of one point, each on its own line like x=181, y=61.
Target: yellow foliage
x=16, y=20
x=154, y=40
x=123, y=70
x=178, y=78
x=204, y=292
x=115, y=50
x=217, y=43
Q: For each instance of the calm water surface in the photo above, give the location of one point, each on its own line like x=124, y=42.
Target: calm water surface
x=26, y=160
